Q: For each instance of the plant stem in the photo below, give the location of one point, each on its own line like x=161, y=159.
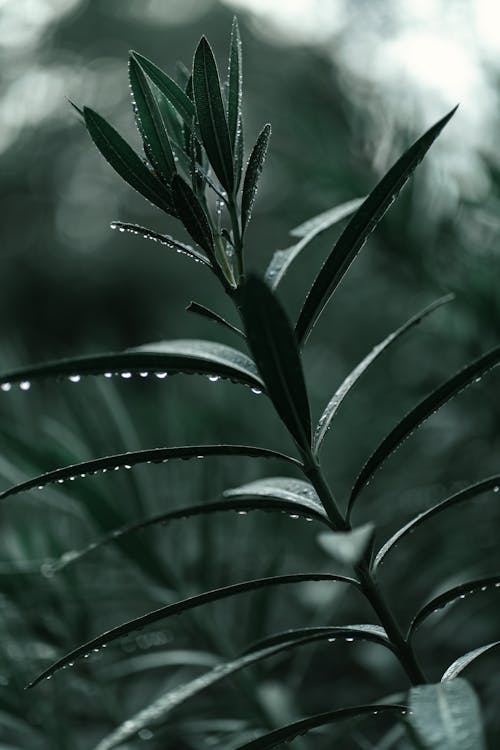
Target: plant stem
x=238, y=240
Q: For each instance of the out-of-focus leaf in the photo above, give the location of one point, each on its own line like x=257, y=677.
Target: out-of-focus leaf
x=205, y=312
x=463, y=662
x=162, y=239
x=168, y=87
x=347, y=546
x=252, y=175
x=192, y=215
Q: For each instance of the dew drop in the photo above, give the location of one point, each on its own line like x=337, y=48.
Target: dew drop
x=49, y=677
x=108, y=374
x=145, y=734
x=349, y=640
x=462, y=596
x=71, y=664
x=144, y=374
x=127, y=466
x=332, y=640
x=6, y=386
x=242, y=512
x=60, y=481
x=161, y=375
x=126, y=375
x=257, y=391
x=496, y=489
x=25, y=385
x=74, y=378
x=213, y=378
x=294, y=516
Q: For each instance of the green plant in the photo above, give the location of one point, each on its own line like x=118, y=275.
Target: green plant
x=192, y=134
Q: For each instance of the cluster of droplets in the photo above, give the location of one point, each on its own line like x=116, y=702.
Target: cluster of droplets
x=162, y=239
x=465, y=594
x=24, y=385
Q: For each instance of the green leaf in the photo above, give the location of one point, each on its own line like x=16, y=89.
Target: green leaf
x=420, y=413
x=289, y=732
x=192, y=215
x=234, y=84
x=297, y=492
x=452, y=595
x=333, y=405
x=162, y=239
x=168, y=87
x=252, y=175
x=211, y=116
x=272, y=342
x=182, y=606
x=205, y=312
x=282, y=259
x=463, y=662
x=446, y=716
x=360, y=227
x=347, y=546
x=125, y=161
x=364, y=632
x=150, y=121
x=492, y=483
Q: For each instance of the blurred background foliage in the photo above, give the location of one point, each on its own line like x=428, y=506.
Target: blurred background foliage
x=346, y=86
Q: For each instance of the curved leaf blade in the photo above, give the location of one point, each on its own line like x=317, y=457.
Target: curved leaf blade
x=296, y=492
x=162, y=239
x=458, y=666
x=446, y=716
x=206, y=312
x=192, y=214
x=125, y=161
x=252, y=175
x=360, y=227
x=350, y=381
x=168, y=87
x=365, y=632
x=184, y=605
x=272, y=342
x=420, y=413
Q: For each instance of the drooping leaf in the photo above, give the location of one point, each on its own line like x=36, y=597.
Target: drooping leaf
x=360, y=227
x=297, y=492
x=282, y=259
x=272, y=342
x=133, y=458
x=184, y=605
x=77, y=109
x=420, y=413
x=452, y=595
x=446, y=716
x=347, y=546
x=252, y=175
x=150, y=121
x=364, y=632
x=162, y=239
x=334, y=404
x=205, y=312
x=463, y=662
x=492, y=483
x=168, y=87
x=234, y=83
x=126, y=162
x=192, y=214
x=211, y=115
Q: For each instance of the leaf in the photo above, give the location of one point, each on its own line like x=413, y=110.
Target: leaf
x=192, y=215
x=252, y=175
x=360, y=227
x=347, y=546
x=460, y=664
x=446, y=716
x=162, y=357
x=162, y=239
x=211, y=116
x=282, y=259
x=420, y=413
x=205, y=312
x=272, y=342
x=333, y=405
x=492, y=483
x=125, y=161
x=132, y=458
x=157, y=711
x=150, y=121
x=176, y=608
x=365, y=632
x=452, y=595
x=297, y=492
x=298, y=728
x=234, y=84
x=168, y=87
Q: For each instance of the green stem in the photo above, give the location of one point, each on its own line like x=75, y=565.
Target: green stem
x=238, y=240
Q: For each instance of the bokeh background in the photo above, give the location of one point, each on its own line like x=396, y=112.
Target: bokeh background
x=347, y=86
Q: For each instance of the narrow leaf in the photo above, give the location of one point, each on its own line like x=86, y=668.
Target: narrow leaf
x=168, y=87
x=492, y=483
x=125, y=161
x=360, y=227
x=252, y=174
x=150, y=121
x=446, y=716
x=162, y=239
x=234, y=83
x=282, y=259
x=294, y=491
x=333, y=405
x=205, y=312
x=452, y=595
x=272, y=342
x=463, y=662
x=365, y=632
x=182, y=606
x=347, y=546
x=420, y=413
x=192, y=215
x=211, y=116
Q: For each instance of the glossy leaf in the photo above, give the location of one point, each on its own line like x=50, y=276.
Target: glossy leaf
x=150, y=121
x=211, y=116
x=133, y=458
x=205, y=312
x=297, y=492
x=420, y=413
x=282, y=259
x=446, y=716
x=125, y=161
x=162, y=239
x=335, y=402
x=252, y=175
x=192, y=214
x=184, y=605
x=168, y=87
x=365, y=632
x=360, y=227
x=234, y=84
x=492, y=483
x=463, y=662
x=347, y=546
x=272, y=342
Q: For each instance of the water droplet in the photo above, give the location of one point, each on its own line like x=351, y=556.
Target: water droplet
x=71, y=664
x=497, y=585
x=49, y=677
x=161, y=375
x=74, y=378
x=144, y=374
x=25, y=385
x=332, y=640
x=462, y=596
x=257, y=391
x=145, y=734
x=214, y=378
x=242, y=512
x=127, y=466
x=294, y=516
x=309, y=519
x=108, y=374
x=126, y=375
x=40, y=487
x=349, y=640
x=60, y=481
x=86, y=656
x=496, y=489
x=6, y=386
